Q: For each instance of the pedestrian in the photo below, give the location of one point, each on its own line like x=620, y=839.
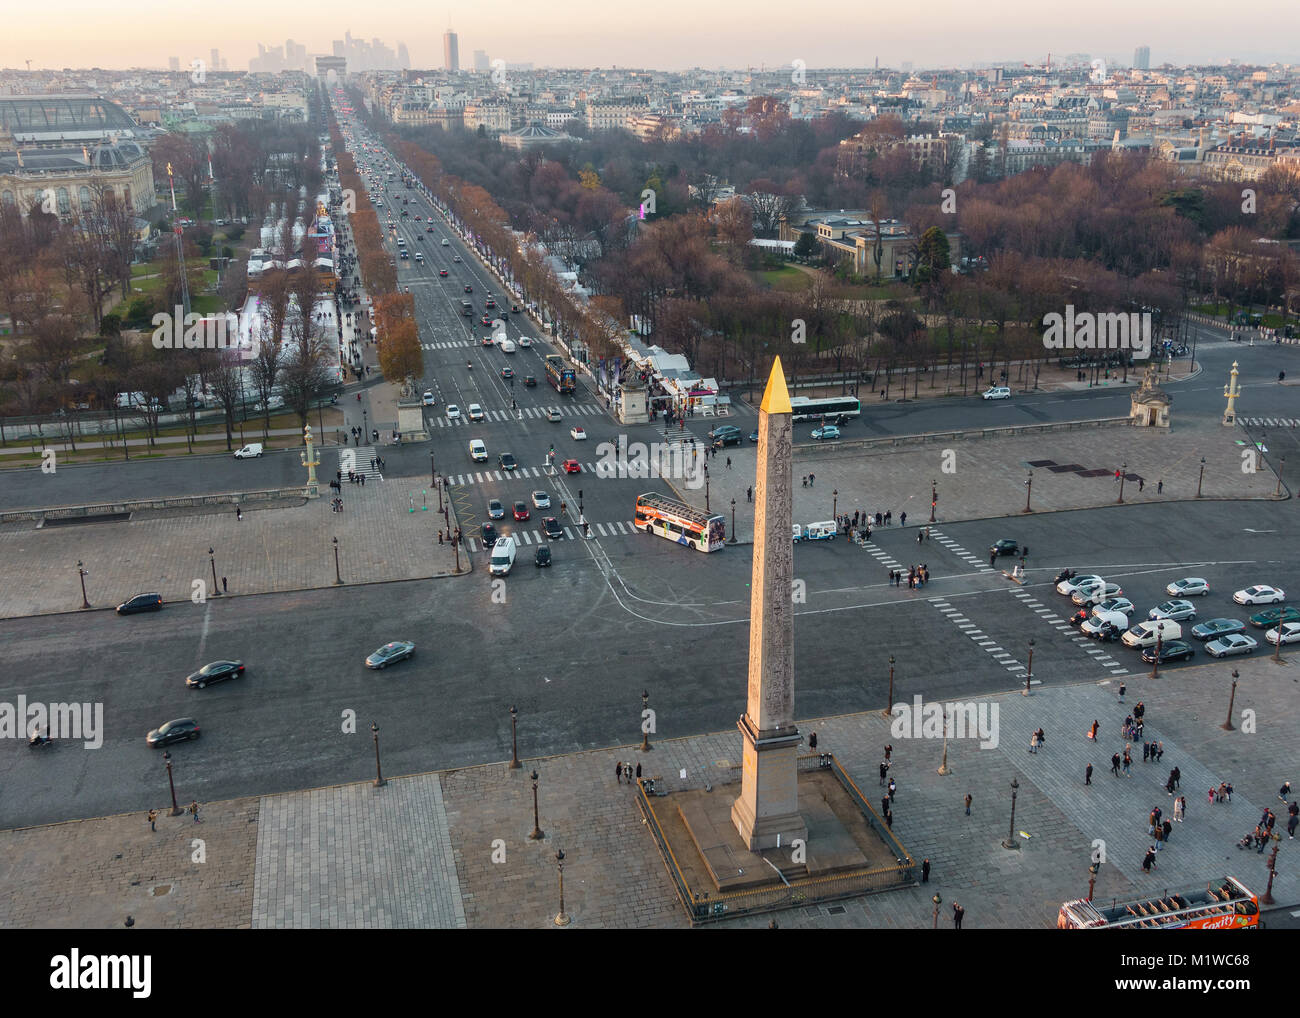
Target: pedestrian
x=153, y=820
x=440, y=537
x=1114, y=764
x=884, y=806
x=239, y=513
x=893, y=788
x=1180, y=809
x=338, y=475
x=728, y=462
x=1270, y=818
x=805, y=480
x=925, y=871
x=1169, y=785
x=993, y=559
x=749, y=494
x=363, y=479
x=920, y=535
x=1093, y=734
x=1158, y=836
x=1212, y=796
x=638, y=772
x=1033, y=743
x=618, y=771
x=1159, y=751
x=1087, y=775
x=194, y=808
x=879, y=520
x=1291, y=826
x=223, y=584
x=902, y=519
x=1166, y=829
x=1284, y=791
x=1128, y=762
x=1139, y=711
x=1141, y=484
x=1153, y=818
x=1117, y=476
x=1160, y=487
x=1227, y=790
x=1149, y=861
x=1177, y=776
x=884, y=771
x=889, y=820
x=957, y=913
x=888, y=752
x=1122, y=690
x=855, y=518
x=372, y=463
x=968, y=802
x=1146, y=752
x=812, y=479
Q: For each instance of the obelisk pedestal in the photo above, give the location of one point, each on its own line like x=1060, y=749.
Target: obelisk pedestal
x=767, y=812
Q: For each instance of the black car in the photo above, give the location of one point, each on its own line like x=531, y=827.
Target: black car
x=542, y=557
x=140, y=603
x=552, y=528
x=216, y=671
x=468, y=288
x=506, y=461
x=173, y=731
x=489, y=535
x=530, y=382
x=726, y=435
x=1170, y=650
x=1005, y=547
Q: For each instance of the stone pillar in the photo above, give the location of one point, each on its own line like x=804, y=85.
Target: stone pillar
x=767, y=812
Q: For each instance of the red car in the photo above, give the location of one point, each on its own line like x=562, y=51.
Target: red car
x=419, y=219
x=428, y=229
x=521, y=510
x=442, y=272
x=486, y=320
x=572, y=467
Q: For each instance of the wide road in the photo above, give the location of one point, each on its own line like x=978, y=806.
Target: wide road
x=574, y=646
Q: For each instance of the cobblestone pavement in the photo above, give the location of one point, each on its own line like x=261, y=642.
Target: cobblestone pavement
x=452, y=848
x=986, y=477
x=270, y=549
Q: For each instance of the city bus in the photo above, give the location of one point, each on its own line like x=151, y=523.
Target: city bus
x=1222, y=904
x=559, y=374
x=805, y=409
x=677, y=521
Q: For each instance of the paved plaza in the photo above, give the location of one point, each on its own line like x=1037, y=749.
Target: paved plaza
x=451, y=849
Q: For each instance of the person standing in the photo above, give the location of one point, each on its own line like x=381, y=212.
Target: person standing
x=618, y=771
x=925, y=871
x=969, y=800
x=893, y=789
x=1128, y=762
x=153, y=820
x=1122, y=690
x=1158, y=836
x=957, y=914
x=1114, y=765
x=1146, y=751
x=194, y=809
x=884, y=771
x=638, y=772
x=1149, y=860
x=1180, y=809
x=1033, y=743
x=1087, y=775
x=1167, y=829
x=1284, y=791
x=239, y=513
x=1293, y=819
x=1093, y=734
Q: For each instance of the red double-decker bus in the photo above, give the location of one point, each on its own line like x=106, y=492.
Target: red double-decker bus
x=1222, y=904
x=560, y=375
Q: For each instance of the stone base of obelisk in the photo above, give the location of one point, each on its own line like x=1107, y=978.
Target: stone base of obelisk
x=766, y=813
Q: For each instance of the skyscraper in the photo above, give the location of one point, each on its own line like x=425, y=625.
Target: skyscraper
x=1142, y=58
x=481, y=62
x=450, y=52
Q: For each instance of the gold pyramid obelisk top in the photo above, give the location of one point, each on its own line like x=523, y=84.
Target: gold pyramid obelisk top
x=776, y=398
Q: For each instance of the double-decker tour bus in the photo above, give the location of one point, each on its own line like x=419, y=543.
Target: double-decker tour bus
x=804, y=409
x=559, y=374
x=1222, y=904
x=677, y=521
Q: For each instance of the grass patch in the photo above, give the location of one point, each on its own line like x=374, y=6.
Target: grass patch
x=787, y=279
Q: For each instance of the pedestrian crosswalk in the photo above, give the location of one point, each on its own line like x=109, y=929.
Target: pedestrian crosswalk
x=1269, y=422
x=959, y=551
x=618, y=528
x=487, y=476
x=981, y=640
x=883, y=557
x=527, y=412
x=1093, y=648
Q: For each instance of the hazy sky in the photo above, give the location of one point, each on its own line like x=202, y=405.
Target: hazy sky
x=669, y=34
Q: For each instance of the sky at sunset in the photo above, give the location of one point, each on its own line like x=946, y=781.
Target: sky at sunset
x=668, y=34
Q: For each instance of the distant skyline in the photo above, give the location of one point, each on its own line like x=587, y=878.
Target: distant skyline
x=670, y=35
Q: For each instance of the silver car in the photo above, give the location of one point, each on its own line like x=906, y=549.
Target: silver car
x=1177, y=610
x=398, y=650
x=1235, y=643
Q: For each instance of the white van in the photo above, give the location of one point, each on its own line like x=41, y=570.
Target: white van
x=248, y=452
x=824, y=531
x=1145, y=634
x=503, y=556
x=507, y=346
x=477, y=450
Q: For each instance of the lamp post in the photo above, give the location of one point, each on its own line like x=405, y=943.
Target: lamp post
x=943, y=764
x=1092, y=879
x=1267, y=898
x=706, y=487
x=379, y=774
x=934, y=500
x=365, y=434
x=1232, y=699
x=1029, y=669
x=433, y=475
x=1123, y=473
x=733, y=522
x=937, y=902
x=1280, y=468
x=514, y=738
x=1200, y=479
x=561, y=917
x=212, y=561
x=167, y=759
x=835, y=504
x=81, y=572
x=889, y=706
x=645, y=731
x=1029, y=490
x=1011, y=842
x=1160, y=643
x=537, y=834
x=338, y=577
x=1277, y=650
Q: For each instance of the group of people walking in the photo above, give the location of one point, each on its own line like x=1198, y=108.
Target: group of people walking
x=917, y=576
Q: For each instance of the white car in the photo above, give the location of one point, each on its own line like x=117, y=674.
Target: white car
x=1290, y=633
x=1177, y=610
x=998, y=392
x=541, y=500
x=577, y=433
x=1260, y=594
x=1070, y=586
x=1189, y=586
x=444, y=242
x=453, y=412
x=1095, y=593
x=427, y=399
x=475, y=412
x=1234, y=643
x=1098, y=621
x=525, y=342
x=1114, y=604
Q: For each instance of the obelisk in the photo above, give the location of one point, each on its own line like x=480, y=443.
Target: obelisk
x=767, y=812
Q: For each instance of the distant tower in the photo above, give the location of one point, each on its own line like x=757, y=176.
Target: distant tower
x=450, y=52
x=1142, y=58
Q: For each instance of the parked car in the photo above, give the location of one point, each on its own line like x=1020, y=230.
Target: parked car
x=180, y=730
x=998, y=392
x=1231, y=645
x=398, y=650
x=1289, y=633
x=215, y=671
x=151, y=602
